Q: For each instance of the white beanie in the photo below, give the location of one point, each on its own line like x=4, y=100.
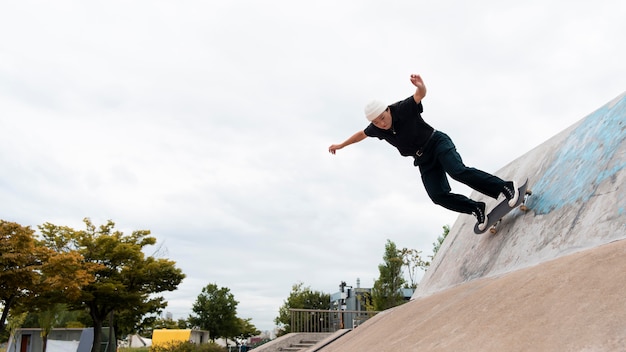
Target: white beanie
x=373, y=109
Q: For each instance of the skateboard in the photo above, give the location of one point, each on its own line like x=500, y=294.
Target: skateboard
x=495, y=216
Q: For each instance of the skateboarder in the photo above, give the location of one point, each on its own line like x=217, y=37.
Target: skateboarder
x=402, y=126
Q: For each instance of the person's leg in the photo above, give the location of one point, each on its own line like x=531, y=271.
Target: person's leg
x=478, y=180
x=438, y=189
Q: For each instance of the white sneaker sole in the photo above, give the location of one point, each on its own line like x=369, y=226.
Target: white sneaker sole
x=483, y=226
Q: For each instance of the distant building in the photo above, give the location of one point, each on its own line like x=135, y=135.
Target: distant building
x=354, y=299
x=349, y=298
x=59, y=339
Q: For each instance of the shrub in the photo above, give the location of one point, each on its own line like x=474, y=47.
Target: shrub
x=188, y=347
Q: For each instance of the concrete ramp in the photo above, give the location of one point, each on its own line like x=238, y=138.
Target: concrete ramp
x=578, y=181
x=574, y=303
x=551, y=279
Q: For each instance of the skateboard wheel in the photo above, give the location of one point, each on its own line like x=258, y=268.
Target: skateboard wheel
x=529, y=192
x=523, y=207
x=493, y=230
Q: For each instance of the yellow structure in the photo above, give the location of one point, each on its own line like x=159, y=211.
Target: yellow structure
x=164, y=337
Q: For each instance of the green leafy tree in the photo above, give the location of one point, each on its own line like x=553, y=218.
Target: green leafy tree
x=216, y=311
x=127, y=322
x=63, y=318
x=387, y=290
x=301, y=297
x=247, y=329
x=61, y=278
x=365, y=298
x=124, y=279
x=183, y=324
x=439, y=242
x=166, y=323
x=15, y=321
x=48, y=319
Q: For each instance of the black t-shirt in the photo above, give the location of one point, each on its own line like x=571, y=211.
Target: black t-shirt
x=409, y=131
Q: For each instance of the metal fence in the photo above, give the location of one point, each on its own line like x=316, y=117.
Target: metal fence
x=312, y=320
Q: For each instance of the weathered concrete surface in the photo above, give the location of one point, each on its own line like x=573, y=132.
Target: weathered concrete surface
x=551, y=279
x=574, y=303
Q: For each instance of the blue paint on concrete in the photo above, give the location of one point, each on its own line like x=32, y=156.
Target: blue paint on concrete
x=584, y=160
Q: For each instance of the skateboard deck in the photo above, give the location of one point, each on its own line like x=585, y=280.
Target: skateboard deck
x=495, y=216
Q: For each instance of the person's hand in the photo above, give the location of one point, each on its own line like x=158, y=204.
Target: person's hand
x=417, y=80
x=333, y=148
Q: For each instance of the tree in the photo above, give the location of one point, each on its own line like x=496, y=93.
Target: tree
x=48, y=319
x=19, y=265
x=62, y=276
x=247, y=329
x=15, y=321
x=36, y=277
x=62, y=318
x=440, y=239
x=300, y=298
x=411, y=258
x=166, y=323
x=183, y=324
x=366, y=301
x=216, y=312
x=387, y=290
x=124, y=279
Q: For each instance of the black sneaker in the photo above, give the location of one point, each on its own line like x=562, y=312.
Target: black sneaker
x=480, y=215
x=511, y=192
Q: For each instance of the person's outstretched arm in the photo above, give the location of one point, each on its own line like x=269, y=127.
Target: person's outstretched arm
x=355, y=138
x=420, y=92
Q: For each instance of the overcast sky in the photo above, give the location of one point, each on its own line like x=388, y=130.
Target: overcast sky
x=208, y=122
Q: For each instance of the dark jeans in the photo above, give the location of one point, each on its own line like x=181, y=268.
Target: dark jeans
x=440, y=158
